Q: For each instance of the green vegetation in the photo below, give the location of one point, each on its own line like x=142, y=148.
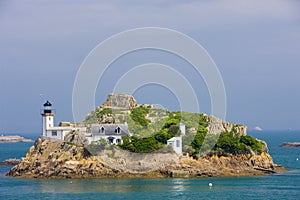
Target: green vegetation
x=151, y=136
x=198, y=140
x=139, y=145
x=98, y=113
x=71, y=144
x=169, y=128
x=98, y=146
x=174, y=119
x=138, y=116
x=255, y=144
x=227, y=143
x=103, y=112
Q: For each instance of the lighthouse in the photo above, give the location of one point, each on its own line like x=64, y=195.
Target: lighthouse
x=47, y=118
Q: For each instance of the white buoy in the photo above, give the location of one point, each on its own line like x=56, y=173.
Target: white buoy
x=210, y=184
x=297, y=159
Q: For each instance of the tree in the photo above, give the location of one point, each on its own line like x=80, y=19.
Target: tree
x=162, y=136
x=138, y=116
x=255, y=145
x=140, y=145
x=173, y=130
x=198, y=140
x=230, y=143
x=171, y=121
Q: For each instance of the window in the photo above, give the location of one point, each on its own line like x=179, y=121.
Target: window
x=101, y=130
x=118, y=130
x=111, y=140
x=177, y=143
x=54, y=133
x=119, y=141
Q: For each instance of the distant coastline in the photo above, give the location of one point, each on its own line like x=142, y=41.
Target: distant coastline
x=13, y=139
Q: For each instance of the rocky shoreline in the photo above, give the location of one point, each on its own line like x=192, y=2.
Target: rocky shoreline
x=58, y=159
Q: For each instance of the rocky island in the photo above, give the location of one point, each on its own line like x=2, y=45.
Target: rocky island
x=291, y=144
x=13, y=139
x=124, y=139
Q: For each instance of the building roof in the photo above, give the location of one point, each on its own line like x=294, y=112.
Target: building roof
x=173, y=139
x=109, y=129
x=47, y=104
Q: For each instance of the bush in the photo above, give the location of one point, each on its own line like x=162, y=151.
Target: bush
x=174, y=119
x=140, y=145
x=103, y=112
x=229, y=143
x=203, y=121
x=162, y=136
x=198, y=140
x=253, y=143
x=138, y=116
x=170, y=122
x=173, y=130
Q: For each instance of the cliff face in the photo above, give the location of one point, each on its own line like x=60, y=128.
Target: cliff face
x=216, y=125
x=120, y=101
x=57, y=159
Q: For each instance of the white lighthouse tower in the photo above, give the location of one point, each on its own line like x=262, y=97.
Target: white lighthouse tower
x=47, y=118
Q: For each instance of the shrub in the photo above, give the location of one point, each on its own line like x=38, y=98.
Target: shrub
x=170, y=122
x=138, y=116
x=229, y=143
x=103, y=112
x=174, y=119
x=162, y=136
x=203, y=121
x=173, y=130
x=198, y=140
x=140, y=145
x=253, y=143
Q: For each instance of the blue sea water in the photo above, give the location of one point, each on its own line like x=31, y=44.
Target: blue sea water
x=284, y=185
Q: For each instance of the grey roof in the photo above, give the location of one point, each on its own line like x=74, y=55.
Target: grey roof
x=109, y=129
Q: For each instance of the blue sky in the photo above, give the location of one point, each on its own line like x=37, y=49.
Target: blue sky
x=255, y=44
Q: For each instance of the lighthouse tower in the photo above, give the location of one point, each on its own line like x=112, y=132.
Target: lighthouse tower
x=47, y=118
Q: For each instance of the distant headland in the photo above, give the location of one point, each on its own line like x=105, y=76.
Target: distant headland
x=124, y=139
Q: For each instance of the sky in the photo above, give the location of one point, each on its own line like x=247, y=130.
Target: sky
x=255, y=45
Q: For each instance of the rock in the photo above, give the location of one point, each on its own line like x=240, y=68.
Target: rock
x=76, y=138
x=216, y=126
x=291, y=144
x=13, y=139
x=193, y=130
x=72, y=161
x=179, y=174
x=11, y=161
x=120, y=101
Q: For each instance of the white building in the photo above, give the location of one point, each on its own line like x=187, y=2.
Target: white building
x=55, y=132
x=176, y=143
x=112, y=133
x=182, y=128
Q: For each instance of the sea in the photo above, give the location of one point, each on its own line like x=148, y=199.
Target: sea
x=284, y=185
